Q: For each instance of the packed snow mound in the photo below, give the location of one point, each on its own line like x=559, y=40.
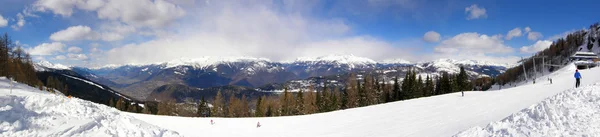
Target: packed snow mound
x=443, y=115
x=30, y=112
x=575, y=112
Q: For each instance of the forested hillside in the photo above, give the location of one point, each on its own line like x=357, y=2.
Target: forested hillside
x=557, y=55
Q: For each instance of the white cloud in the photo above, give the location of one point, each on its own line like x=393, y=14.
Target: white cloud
x=76, y=33
x=250, y=29
x=60, y=57
x=20, y=22
x=473, y=42
x=538, y=46
x=141, y=13
x=47, y=49
x=3, y=22
x=77, y=56
x=65, y=7
x=74, y=49
x=527, y=29
x=515, y=33
x=475, y=12
x=534, y=35
x=432, y=36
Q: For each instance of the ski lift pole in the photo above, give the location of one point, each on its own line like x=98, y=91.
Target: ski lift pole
x=524, y=71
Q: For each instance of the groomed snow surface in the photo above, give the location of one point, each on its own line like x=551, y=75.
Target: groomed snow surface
x=540, y=109
x=30, y=112
x=443, y=115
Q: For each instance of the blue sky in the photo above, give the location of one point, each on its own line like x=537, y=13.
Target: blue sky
x=100, y=32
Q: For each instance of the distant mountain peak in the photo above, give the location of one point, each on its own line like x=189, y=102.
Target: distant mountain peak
x=395, y=61
x=43, y=65
x=209, y=60
x=336, y=58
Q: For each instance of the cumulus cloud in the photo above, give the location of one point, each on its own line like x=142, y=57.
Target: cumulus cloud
x=538, y=46
x=475, y=12
x=527, y=29
x=20, y=22
x=60, y=57
x=432, y=36
x=3, y=22
x=534, y=35
x=47, y=49
x=72, y=56
x=76, y=33
x=74, y=50
x=515, y=33
x=251, y=29
x=142, y=13
x=473, y=42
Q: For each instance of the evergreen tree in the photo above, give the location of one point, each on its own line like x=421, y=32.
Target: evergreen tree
x=463, y=80
x=259, y=112
x=351, y=92
x=429, y=86
x=269, y=112
x=396, y=90
x=202, y=108
x=318, y=101
x=438, y=86
x=419, y=89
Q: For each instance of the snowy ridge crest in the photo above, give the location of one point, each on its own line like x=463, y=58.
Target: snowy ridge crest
x=43, y=65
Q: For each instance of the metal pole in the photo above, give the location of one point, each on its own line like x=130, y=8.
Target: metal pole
x=534, y=70
x=524, y=71
x=543, y=63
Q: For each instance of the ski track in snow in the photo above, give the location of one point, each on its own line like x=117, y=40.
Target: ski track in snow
x=29, y=112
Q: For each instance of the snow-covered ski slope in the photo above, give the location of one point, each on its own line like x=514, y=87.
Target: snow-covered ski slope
x=29, y=112
x=575, y=112
x=540, y=109
x=443, y=115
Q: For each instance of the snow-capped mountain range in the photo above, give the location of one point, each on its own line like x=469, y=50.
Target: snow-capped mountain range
x=138, y=80
x=351, y=60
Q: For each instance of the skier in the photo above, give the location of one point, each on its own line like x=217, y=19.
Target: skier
x=577, y=78
x=257, y=124
x=212, y=122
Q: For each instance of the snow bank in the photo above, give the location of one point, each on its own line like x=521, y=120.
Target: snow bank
x=572, y=113
x=30, y=112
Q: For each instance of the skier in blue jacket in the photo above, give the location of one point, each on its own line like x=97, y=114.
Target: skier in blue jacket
x=577, y=77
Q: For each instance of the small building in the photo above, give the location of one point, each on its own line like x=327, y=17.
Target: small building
x=584, y=60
